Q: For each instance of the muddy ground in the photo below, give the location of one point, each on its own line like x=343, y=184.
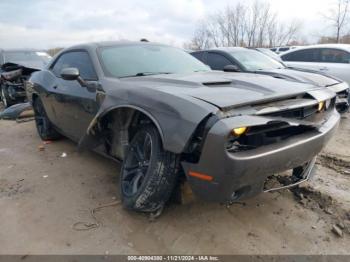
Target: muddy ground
x=42, y=195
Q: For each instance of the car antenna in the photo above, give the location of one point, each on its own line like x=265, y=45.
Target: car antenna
x=143, y=40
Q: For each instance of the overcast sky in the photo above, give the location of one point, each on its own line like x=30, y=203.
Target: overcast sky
x=53, y=23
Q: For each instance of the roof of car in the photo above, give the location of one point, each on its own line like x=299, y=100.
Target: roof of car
x=21, y=50
x=339, y=46
x=231, y=49
x=225, y=49
x=346, y=46
x=111, y=43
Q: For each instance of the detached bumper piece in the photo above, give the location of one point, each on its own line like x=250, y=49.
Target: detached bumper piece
x=238, y=167
x=343, y=101
x=14, y=112
x=299, y=176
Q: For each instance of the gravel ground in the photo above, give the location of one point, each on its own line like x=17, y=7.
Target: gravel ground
x=42, y=195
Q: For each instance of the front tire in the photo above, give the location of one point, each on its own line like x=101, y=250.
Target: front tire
x=44, y=127
x=149, y=173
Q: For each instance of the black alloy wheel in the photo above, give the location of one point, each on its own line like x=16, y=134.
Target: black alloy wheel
x=149, y=173
x=43, y=124
x=137, y=164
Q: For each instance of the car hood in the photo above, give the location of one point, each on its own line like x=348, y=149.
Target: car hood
x=8, y=67
x=37, y=65
x=302, y=76
x=226, y=90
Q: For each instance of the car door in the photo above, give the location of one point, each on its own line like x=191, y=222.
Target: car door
x=74, y=104
x=335, y=62
x=217, y=61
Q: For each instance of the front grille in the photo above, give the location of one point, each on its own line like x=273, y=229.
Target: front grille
x=305, y=113
x=258, y=136
x=298, y=113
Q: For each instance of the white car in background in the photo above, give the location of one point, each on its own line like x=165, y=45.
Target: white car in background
x=331, y=59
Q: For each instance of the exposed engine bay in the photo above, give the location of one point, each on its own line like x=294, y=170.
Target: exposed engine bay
x=12, y=82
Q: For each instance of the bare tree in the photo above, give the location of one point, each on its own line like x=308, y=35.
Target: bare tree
x=263, y=20
x=272, y=31
x=254, y=25
x=200, y=39
x=286, y=33
x=338, y=16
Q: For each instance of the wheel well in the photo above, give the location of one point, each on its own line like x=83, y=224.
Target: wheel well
x=194, y=146
x=119, y=126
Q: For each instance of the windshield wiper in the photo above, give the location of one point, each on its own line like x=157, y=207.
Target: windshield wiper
x=147, y=74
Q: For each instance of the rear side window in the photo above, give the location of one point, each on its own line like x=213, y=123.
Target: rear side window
x=77, y=59
x=306, y=55
x=329, y=55
x=217, y=61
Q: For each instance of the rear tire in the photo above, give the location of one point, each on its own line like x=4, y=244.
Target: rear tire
x=149, y=173
x=44, y=127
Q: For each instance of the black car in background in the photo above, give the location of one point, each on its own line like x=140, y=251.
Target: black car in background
x=16, y=66
x=239, y=59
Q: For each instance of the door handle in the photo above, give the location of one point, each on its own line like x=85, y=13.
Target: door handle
x=324, y=68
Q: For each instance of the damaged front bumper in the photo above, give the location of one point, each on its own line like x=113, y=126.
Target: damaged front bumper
x=242, y=173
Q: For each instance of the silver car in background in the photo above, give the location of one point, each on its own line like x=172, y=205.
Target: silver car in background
x=332, y=59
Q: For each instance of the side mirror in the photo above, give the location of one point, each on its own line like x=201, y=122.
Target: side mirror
x=71, y=74
x=231, y=68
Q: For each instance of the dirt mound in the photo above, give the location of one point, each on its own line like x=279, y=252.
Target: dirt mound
x=333, y=162
x=327, y=207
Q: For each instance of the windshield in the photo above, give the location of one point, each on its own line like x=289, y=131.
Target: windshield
x=19, y=57
x=141, y=60
x=255, y=61
x=271, y=54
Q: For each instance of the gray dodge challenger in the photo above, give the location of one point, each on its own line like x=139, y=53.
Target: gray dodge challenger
x=169, y=118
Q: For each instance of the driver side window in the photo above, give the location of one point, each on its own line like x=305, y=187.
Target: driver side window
x=217, y=61
x=77, y=59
